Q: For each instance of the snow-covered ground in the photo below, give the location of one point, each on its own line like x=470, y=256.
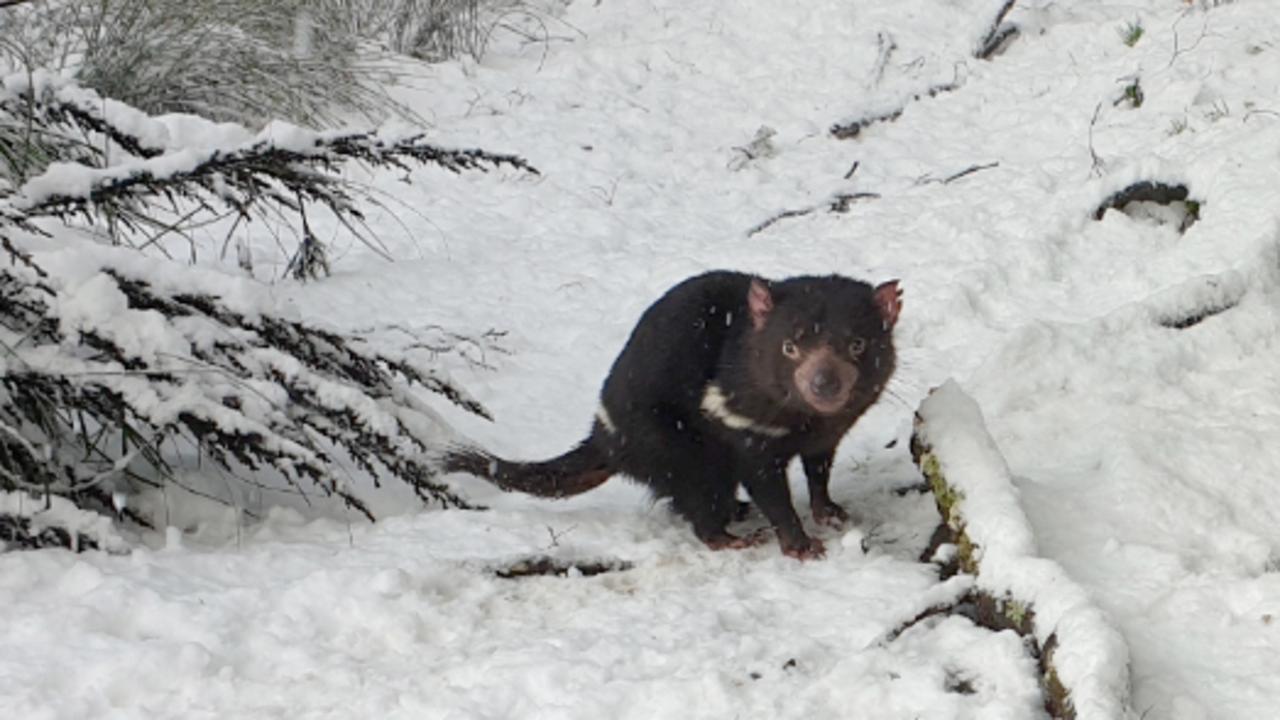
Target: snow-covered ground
x=1141, y=452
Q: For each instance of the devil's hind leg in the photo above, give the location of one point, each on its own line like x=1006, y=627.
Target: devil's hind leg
x=695, y=472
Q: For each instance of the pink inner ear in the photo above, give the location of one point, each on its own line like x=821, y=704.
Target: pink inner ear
x=760, y=301
x=888, y=300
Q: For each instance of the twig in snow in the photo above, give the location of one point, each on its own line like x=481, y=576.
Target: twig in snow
x=838, y=203
x=1204, y=31
x=555, y=535
x=956, y=176
x=780, y=216
x=970, y=171
x=998, y=33
x=885, y=45
x=1259, y=111
x=1098, y=164
x=436, y=341
x=760, y=146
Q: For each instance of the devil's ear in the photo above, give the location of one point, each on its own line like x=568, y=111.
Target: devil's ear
x=760, y=300
x=888, y=300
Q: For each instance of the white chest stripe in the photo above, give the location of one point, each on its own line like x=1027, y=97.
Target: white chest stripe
x=716, y=406
x=603, y=416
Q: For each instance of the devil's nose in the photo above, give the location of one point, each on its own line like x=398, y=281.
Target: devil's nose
x=825, y=384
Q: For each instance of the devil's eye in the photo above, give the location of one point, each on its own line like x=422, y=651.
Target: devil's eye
x=789, y=349
x=857, y=346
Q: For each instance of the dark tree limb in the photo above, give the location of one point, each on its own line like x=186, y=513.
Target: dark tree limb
x=1154, y=192
x=1143, y=191
x=546, y=565
x=853, y=128
x=940, y=610
x=1195, y=317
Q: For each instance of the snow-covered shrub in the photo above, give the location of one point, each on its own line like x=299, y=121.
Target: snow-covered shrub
x=119, y=369
x=105, y=370
x=427, y=29
x=247, y=61
x=146, y=184
x=29, y=523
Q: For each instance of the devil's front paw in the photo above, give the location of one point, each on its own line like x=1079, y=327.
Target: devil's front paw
x=803, y=548
x=830, y=514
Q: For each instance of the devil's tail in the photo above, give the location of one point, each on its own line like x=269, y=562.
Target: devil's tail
x=574, y=472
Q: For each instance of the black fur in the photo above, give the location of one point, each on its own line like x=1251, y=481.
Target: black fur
x=800, y=360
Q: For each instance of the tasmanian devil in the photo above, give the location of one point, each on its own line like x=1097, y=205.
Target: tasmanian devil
x=724, y=380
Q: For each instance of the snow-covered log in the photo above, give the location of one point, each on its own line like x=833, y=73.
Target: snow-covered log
x=1083, y=658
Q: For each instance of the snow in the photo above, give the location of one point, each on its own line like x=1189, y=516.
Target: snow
x=405, y=620
x=76, y=264
x=98, y=302
x=1141, y=455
